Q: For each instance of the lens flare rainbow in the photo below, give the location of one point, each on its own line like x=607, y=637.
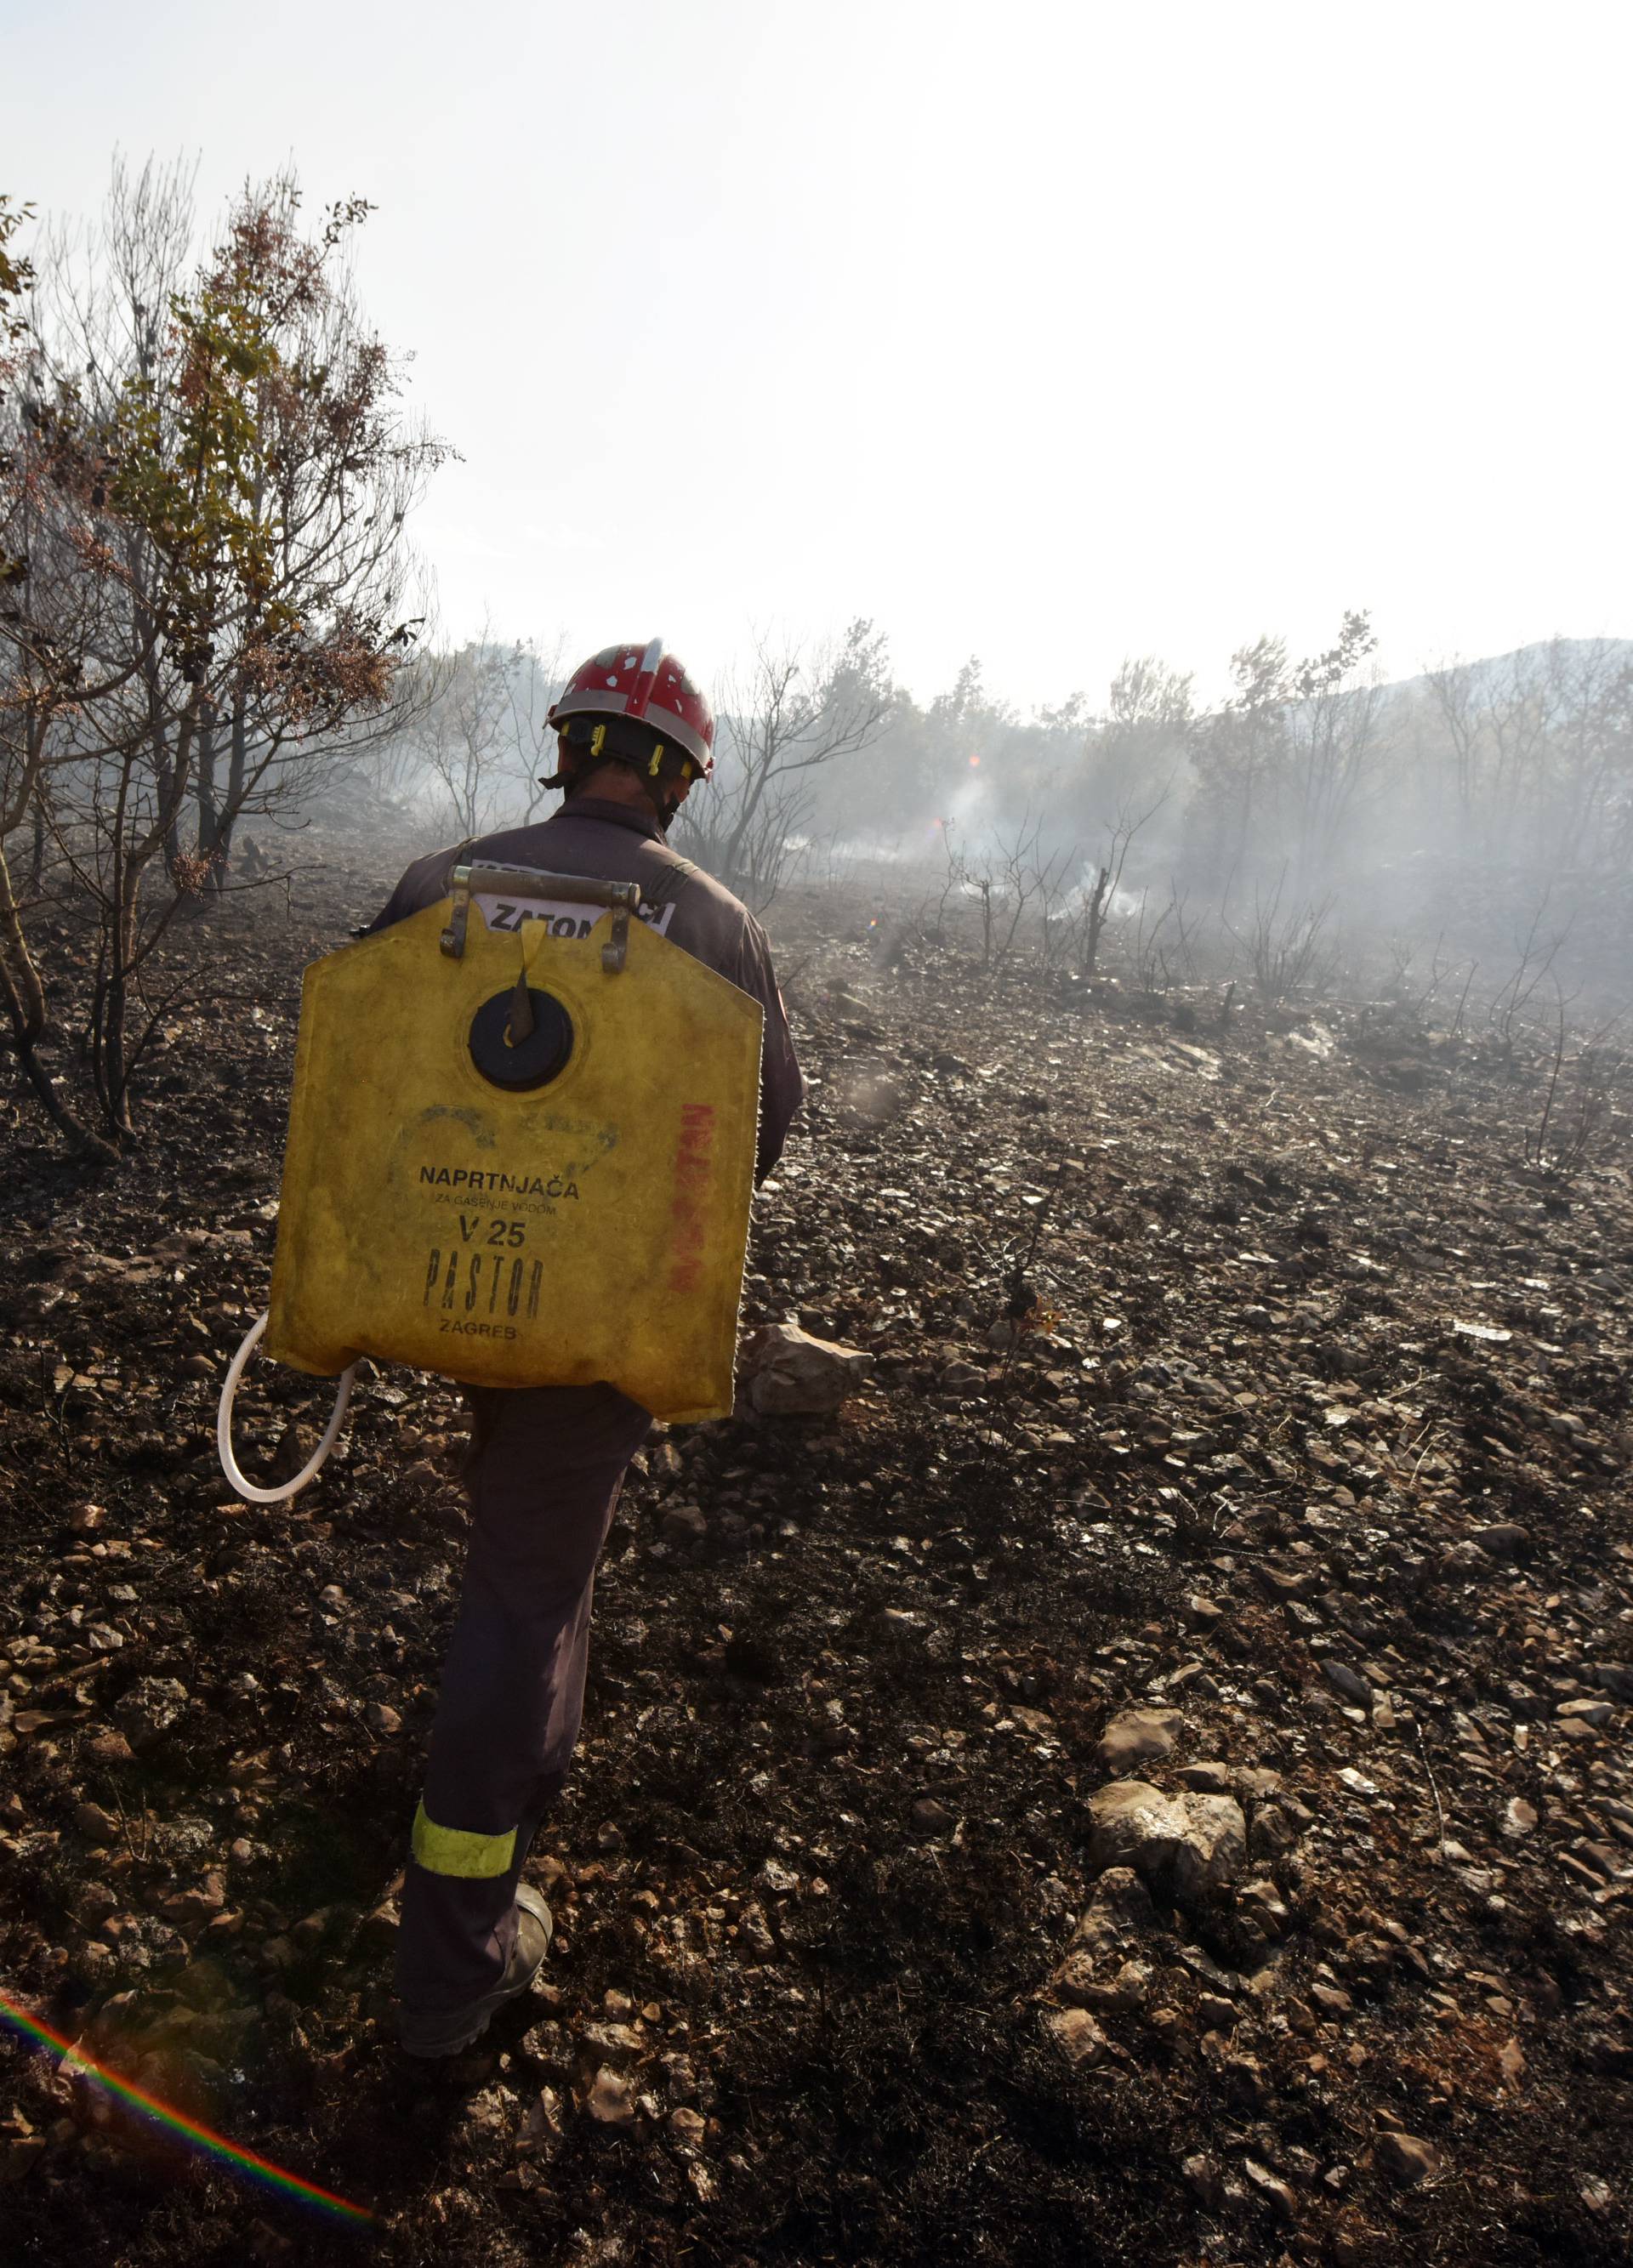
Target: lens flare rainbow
x=202, y=2137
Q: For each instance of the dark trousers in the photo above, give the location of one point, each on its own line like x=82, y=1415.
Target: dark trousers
x=543, y=1473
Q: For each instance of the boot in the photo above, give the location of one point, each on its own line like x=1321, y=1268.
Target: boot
x=446, y=2033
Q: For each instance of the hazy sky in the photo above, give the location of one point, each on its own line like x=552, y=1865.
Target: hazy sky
x=1047, y=333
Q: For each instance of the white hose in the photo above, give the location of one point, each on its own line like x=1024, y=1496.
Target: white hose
x=224, y=1427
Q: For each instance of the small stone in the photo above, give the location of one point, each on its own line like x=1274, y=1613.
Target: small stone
x=383, y=1718
x=1136, y=1737
x=1283, y=1583
x=931, y=1816
x=1505, y=1539
x=548, y=2044
x=1245, y=2077
x=1346, y=1682
x=542, y=2120
x=1253, y=1784
x=1519, y=1816
x=1606, y=1860
x=377, y=1928
x=95, y=1824
x=1271, y=1834
x=688, y=2128
x=1615, y=1678
x=615, y=2042
x=684, y=1523
x=150, y=1708
x=1405, y=2158
x=1587, y=1713
x=611, y=2099
x=1466, y=1559
x=1204, y=2181
x=1216, y=2015
x=1077, y=2035
x=754, y=1932
x=191, y=1909
x=1114, y=1995
x=1122, y=1902
x=97, y=1901
x=1262, y=1903
x=1077, y=1977
x=1272, y=2188
x=1206, y=1778
x=1332, y=2001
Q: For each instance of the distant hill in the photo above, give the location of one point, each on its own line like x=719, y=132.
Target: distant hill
x=1527, y=663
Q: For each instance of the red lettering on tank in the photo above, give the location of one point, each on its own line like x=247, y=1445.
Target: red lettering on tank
x=694, y=1166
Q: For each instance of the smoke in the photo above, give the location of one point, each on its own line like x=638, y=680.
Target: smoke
x=973, y=808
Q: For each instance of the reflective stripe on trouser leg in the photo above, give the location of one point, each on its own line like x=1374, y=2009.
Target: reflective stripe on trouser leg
x=455, y=1850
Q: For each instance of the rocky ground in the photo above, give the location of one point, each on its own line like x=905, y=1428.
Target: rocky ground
x=1146, y=1780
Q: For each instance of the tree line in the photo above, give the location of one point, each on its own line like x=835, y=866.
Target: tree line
x=1310, y=767
x=212, y=613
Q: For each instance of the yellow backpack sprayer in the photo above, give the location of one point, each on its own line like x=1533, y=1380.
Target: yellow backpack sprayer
x=521, y=1152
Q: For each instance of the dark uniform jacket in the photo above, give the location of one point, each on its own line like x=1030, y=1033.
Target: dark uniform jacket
x=617, y=842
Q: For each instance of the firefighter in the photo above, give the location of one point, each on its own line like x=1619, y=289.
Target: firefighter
x=545, y=1464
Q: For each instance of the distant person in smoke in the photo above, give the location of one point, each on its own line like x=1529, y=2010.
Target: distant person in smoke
x=546, y=1464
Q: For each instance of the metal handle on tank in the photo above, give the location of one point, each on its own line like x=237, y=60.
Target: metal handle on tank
x=577, y=889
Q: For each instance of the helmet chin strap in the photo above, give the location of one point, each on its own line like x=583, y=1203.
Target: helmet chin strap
x=666, y=807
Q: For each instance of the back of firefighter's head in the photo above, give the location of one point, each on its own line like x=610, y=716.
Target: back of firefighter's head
x=634, y=706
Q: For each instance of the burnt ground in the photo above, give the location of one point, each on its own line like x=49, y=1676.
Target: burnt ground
x=1233, y=1365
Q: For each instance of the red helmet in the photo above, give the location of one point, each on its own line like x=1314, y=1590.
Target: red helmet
x=649, y=685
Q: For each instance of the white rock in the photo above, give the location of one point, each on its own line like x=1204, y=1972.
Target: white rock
x=1193, y=1841
x=792, y=1374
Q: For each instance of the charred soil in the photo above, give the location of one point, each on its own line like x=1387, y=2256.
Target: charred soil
x=1248, y=1421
